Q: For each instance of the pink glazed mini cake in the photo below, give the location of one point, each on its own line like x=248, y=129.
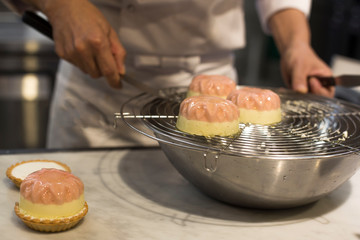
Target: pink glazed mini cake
x=51, y=200
x=213, y=85
x=208, y=116
x=256, y=105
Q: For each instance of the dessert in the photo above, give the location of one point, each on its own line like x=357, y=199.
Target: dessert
x=51, y=200
x=208, y=116
x=19, y=171
x=256, y=105
x=214, y=85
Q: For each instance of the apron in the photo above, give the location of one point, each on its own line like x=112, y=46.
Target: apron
x=165, y=46
x=168, y=42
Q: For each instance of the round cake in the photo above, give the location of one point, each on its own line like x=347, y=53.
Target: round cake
x=213, y=85
x=256, y=105
x=51, y=200
x=208, y=116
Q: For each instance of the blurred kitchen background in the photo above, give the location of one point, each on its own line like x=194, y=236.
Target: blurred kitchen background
x=28, y=64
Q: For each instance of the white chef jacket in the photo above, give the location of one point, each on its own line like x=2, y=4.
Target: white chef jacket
x=167, y=43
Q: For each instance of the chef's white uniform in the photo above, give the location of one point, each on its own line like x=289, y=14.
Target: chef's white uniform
x=167, y=43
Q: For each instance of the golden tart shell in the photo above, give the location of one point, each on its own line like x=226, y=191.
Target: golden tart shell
x=51, y=225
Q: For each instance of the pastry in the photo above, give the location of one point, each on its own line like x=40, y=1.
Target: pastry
x=256, y=105
x=208, y=116
x=213, y=85
x=51, y=200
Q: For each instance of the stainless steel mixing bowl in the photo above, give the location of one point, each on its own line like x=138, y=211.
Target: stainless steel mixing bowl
x=260, y=182
x=310, y=153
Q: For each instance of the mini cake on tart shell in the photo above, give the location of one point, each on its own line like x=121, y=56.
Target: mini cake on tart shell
x=208, y=116
x=51, y=200
x=213, y=85
x=256, y=105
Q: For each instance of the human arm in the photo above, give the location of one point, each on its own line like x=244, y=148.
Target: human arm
x=84, y=37
x=286, y=20
x=291, y=33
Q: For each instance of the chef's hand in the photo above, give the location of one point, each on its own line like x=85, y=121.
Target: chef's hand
x=298, y=60
x=85, y=38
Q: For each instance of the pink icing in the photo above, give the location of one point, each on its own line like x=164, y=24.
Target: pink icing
x=216, y=85
x=208, y=109
x=255, y=99
x=51, y=186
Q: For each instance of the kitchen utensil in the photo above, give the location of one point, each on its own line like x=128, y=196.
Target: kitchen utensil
x=342, y=80
x=309, y=154
x=143, y=87
x=43, y=26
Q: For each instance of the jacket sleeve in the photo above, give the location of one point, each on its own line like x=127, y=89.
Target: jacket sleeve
x=266, y=8
x=17, y=6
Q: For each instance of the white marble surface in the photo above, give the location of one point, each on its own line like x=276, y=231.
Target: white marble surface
x=137, y=194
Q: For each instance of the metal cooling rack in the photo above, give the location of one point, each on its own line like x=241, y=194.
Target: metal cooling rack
x=311, y=126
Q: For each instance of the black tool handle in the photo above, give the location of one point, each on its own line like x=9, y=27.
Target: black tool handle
x=325, y=81
x=37, y=22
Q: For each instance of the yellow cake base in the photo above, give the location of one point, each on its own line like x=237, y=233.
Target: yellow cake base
x=207, y=129
x=260, y=117
x=40, y=210
x=51, y=225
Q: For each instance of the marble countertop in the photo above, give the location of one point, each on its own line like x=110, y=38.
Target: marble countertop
x=137, y=194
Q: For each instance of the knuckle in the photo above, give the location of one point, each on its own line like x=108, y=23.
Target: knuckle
x=79, y=46
x=97, y=42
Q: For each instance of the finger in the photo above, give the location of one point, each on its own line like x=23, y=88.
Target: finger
x=66, y=48
x=286, y=77
x=299, y=80
x=107, y=65
x=118, y=51
x=63, y=53
x=86, y=59
x=61, y=45
x=315, y=85
x=318, y=89
x=88, y=66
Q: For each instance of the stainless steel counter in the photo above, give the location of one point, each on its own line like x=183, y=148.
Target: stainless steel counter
x=137, y=194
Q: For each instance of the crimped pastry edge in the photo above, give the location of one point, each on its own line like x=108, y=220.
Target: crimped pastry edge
x=51, y=225
x=17, y=181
